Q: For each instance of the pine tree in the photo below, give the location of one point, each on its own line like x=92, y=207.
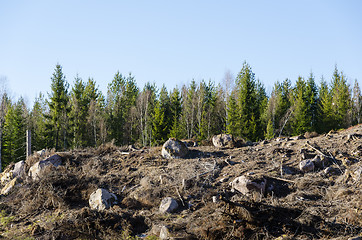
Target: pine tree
x=59, y=109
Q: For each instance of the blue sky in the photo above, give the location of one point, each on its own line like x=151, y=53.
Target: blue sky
x=173, y=42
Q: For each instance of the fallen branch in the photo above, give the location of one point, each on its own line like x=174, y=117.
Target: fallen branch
x=317, y=150
x=282, y=179
x=179, y=195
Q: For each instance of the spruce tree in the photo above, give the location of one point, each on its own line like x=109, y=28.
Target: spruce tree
x=175, y=110
x=59, y=109
x=341, y=100
x=14, y=133
x=39, y=136
x=326, y=119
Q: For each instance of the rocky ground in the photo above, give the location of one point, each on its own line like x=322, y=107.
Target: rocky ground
x=286, y=188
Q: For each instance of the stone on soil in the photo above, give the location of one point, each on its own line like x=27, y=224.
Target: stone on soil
x=10, y=185
x=168, y=205
x=174, y=148
x=223, y=140
x=306, y=165
x=247, y=185
x=18, y=168
x=101, y=199
x=36, y=170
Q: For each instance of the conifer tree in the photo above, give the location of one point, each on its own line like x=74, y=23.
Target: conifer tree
x=161, y=118
x=341, y=100
x=39, y=136
x=301, y=117
x=325, y=122
x=115, y=110
x=14, y=133
x=175, y=110
x=59, y=109
x=248, y=100
x=78, y=113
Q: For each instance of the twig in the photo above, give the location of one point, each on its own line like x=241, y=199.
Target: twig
x=315, y=149
x=179, y=195
x=282, y=179
x=335, y=162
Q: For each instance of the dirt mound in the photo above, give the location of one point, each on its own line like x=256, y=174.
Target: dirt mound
x=322, y=204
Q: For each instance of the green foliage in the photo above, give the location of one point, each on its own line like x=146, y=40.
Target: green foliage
x=249, y=96
x=14, y=133
x=175, y=111
x=39, y=136
x=5, y=219
x=269, y=134
x=58, y=110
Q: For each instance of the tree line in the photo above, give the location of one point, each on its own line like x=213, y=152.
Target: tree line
x=80, y=116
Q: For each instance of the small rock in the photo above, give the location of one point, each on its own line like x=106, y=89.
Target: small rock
x=164, y=233
x=35, y=170
x=41, y=153
x=19, y=168
x=223, y=140
x=7, y=188
x=215, y=199
x=246, y=185
x=306, y=165
x=174, y=148
x=168, y=205
x=146, y=182
x=101, y=199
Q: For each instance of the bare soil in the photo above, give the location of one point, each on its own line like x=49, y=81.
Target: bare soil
x=296, y=205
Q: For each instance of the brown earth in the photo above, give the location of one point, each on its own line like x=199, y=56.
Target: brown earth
x=295, y=205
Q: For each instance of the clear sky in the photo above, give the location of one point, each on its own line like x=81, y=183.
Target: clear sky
x=173, y=42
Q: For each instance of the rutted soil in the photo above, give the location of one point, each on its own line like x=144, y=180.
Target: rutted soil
x=321, y=204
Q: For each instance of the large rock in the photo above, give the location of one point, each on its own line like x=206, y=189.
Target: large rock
x=10, y=185
x=36, y=170
x=223, y=140
x=101, y=199
x=6, y=176
x=306, y=165
x=174, y=148
x=247, y=184
x=19, y=168
x=168, y=205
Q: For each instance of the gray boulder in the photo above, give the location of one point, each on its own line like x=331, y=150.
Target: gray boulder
x=35, y=172
x=174, y=148
x=168, y=205
x=19, y=168
x=306, y=165
x=101, y=199
x=247, y=184
x=223, y=140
